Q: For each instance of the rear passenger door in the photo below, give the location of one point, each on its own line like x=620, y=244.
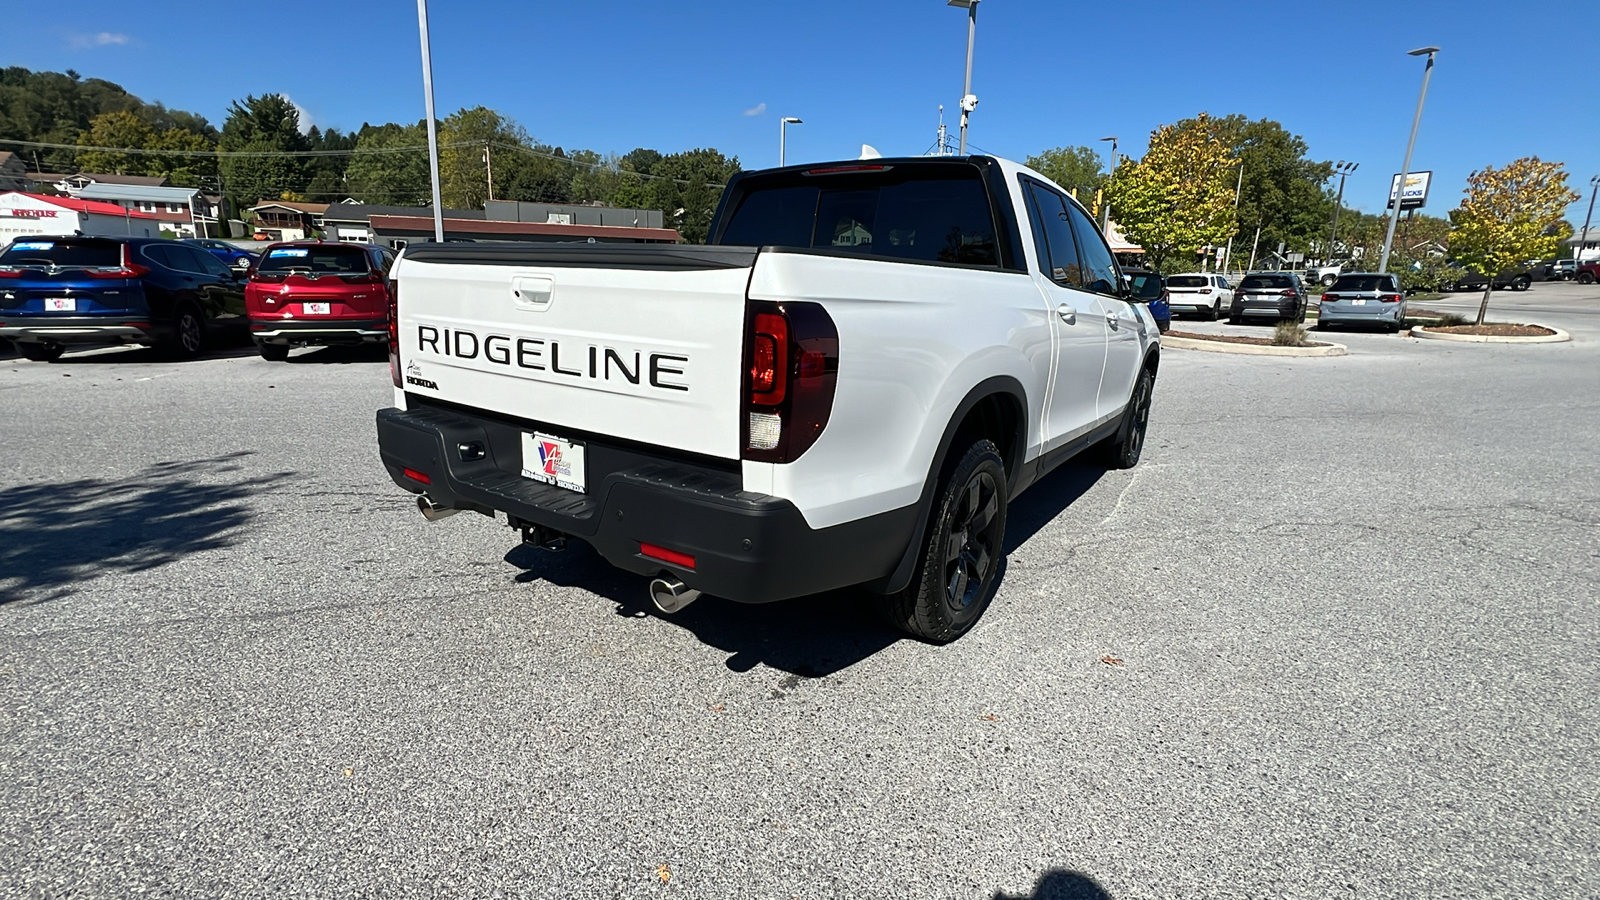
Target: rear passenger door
x=1077, y=320
x=1123, y=325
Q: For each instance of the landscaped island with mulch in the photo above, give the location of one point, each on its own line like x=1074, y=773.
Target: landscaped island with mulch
x=1241, y=339
x=1494, y=329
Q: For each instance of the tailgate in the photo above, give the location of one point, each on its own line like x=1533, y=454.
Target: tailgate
x=641, y=342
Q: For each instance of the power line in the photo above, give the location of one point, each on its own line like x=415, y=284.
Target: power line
x=143, y=151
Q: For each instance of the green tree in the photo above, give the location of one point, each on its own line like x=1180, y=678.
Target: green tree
x=268, y=129
x=1283, y=192
x=390, y=167
x=463, y=138
x=121, y=129
x=1077, y=169
x=1510, y=215
x=1177, y=199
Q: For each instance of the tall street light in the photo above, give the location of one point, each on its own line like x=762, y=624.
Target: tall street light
x=433, y=132
x=1583, y=236
x=1343, y=170
x=783, y=135
x=1227, y=256
x=1105, y=205
x=968, y=101
x=1405, y=167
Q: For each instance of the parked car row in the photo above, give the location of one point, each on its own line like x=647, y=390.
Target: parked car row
x=180, y=297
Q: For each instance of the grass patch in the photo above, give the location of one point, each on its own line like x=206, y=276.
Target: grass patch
x=1290, y=334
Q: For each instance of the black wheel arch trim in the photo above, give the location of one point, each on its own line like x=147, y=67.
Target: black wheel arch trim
x=1003, y=385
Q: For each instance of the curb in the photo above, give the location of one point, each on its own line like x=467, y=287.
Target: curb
x=1557, y=338
x=1253, y=349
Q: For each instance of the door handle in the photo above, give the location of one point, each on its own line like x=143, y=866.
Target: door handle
x=1111, y=321
x=1067, y=313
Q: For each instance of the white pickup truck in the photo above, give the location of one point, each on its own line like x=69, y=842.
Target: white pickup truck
x=846, y=387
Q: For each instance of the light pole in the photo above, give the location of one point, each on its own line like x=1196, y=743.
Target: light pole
x=1343, y=170
x=1227, y=257
x=1405, y=167
x=1583, y=236
x=1105, y=203
x=433, y=131
x=783, y=134
x=968, y=101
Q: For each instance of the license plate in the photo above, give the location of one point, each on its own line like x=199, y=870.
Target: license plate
x=60, y=304
x=553, y=460
x=314, y=309
x=1359, y=301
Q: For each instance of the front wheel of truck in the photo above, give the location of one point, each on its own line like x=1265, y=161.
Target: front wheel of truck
x=959, y=562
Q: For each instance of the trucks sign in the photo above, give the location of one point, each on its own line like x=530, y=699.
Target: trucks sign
x=1416, y=195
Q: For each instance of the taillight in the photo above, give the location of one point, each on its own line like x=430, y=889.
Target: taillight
x=792, y=363
x=1389, y=298
x=1286, y=293
x=128, y=269
x=1330, y=298
x=1205, y=290
x=9, y=272
x=394, y=332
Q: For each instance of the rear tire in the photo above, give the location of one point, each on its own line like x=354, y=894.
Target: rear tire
x=1586, y=278
x=40, y=352
x=1328, y=280
x=272, y=352
x=1522, y=284
x=1215, y=312
x=955, y=576
x=188, y=334
x=1122, y=450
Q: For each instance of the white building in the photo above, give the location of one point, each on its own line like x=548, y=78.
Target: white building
x=1585, y=244
x=29, y=215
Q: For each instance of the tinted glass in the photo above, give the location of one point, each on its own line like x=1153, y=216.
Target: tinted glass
x=189, y=259
x=63, y=254
x=1145, y=286
x=331, y=258
x=1258, y=282
x=1364, y=283
x=913, y=212
x=210, y=265
x=158, y=253
x=1100, y=267
x=1052, y=235
x=1188, y=281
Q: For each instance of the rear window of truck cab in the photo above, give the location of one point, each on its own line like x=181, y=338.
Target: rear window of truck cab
x=329, y=258
x=915, y=212
x=63, y=253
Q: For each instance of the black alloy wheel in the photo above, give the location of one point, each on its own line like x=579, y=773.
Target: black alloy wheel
x=188, y=334
x=1522, y=284
x=961, y=557
x=1122, y=450
x=1586, y=278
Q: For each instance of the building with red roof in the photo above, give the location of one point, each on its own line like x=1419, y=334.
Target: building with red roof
x=31, y=215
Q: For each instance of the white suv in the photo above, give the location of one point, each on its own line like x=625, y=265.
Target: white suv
x=1200, y=293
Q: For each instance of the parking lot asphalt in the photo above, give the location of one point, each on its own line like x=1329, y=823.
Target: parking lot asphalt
x=1336, y=636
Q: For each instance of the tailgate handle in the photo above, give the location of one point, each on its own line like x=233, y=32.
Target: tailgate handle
x=532, y=292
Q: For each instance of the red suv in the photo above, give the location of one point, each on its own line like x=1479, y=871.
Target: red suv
x=310, y=292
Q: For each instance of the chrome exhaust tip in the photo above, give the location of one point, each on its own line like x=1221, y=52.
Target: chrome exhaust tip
x=671, y=595
x=432, y=511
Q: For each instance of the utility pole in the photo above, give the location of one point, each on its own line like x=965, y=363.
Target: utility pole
x=1405, y=167
x=488, y=165
x=1105, y=206
x=433, y=127
x=1583, y=236
x=968, y=101
x=1343, y=170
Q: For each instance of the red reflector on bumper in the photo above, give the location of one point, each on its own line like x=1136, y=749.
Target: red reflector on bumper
x=667, y=556
x=414, y=475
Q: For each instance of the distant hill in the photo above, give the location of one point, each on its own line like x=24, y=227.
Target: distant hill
x=56, y=107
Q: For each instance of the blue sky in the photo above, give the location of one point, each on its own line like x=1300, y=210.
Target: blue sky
x=612, y=76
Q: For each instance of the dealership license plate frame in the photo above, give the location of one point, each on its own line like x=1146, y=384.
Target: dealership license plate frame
x=569, y=468
x=321, y=308
x=60, y=304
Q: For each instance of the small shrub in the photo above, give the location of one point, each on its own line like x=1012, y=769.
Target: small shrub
x=1450, y=319
x=1290, y=334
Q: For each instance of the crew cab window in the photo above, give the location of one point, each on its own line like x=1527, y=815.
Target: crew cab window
x=1052, y=236
x=915, y=212
x=1100, y=267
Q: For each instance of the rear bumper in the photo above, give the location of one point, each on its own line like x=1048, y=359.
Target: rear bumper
x=747, y=547
x=1371, y=312
x=79, y=329
x=320, y=331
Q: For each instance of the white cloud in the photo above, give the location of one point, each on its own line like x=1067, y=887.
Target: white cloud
x=756, y=110
x=305, y=114
x=82, y=41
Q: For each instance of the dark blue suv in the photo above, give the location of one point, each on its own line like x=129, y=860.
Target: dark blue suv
x=230, y=255
x=77, y=289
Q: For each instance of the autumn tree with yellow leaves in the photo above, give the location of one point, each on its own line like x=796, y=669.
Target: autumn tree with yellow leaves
x=1510, y=215
x=1179, y=198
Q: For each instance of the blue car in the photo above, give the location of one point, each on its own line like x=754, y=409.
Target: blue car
x=1150, y=289
x=229, y=254
x=82, y=289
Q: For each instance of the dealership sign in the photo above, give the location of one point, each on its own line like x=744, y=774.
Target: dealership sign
x=30, y=213
x=1416, y=194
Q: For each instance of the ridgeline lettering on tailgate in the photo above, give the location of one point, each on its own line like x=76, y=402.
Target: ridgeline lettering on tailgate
x=584, y=361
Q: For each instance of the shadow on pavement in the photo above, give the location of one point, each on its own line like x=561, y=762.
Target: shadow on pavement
x=1062, y=884
x=134, y=353
x=1046, y=499
x=809, y=637
x=341, y=355
x=55, y=533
